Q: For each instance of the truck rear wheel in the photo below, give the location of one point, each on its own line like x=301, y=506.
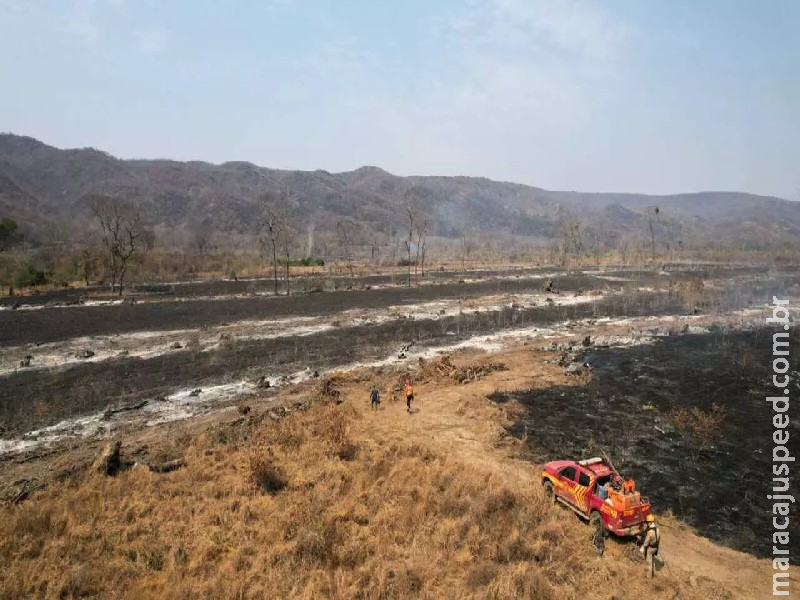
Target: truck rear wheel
x=596, y=520
x=549, y=492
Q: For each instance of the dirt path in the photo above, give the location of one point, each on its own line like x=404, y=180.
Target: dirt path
x=458, y=419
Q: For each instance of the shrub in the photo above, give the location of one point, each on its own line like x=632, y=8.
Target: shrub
x=335, y=430
x=80, y=582
x=29, y=276
x=704, y=426
x=303, y=262
x=498, y=503
x=265, y=474
x=348, y=452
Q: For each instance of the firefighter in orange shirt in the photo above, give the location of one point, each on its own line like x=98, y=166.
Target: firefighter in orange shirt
x=409, y=394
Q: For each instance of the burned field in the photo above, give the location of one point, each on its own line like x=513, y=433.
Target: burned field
x=35, y=397
x=202, y=353
x=298, y=284
x=39, y=398
x=53, y=322
x=60, y=314
x=686, y=417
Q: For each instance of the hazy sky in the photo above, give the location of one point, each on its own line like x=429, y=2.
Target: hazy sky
x=629, y=95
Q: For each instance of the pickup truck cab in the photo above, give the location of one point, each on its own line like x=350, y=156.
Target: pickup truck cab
x=577, y=484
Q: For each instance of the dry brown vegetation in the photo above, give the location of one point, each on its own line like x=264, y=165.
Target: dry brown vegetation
x=443, y=367
x=332, y=502
x=704, y=426
x=286, y=516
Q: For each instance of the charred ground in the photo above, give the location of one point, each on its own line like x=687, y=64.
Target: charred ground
x=716, y=479
x=629, y=407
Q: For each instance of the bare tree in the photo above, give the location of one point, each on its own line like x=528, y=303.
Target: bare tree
x=271, y=226
x=88, y=255
x=347, y=232
x=422, y=238
x=652, y=220
x=124, y=235
x=286, y=236
x=201, y=239
x=417, y=223
x=570, y=236
x=278, y=234
x=624, y=246
x=393, y=249
x=410, y=213
x=374, y=243
x=467, y=230
x=596, y=248
x=310, y=239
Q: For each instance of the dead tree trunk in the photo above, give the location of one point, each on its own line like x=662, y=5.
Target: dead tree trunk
x=273, y=226
x=422, y=237
x=410, y=240
x=652, y=219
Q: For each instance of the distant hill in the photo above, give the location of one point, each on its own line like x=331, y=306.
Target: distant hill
x=40, y=183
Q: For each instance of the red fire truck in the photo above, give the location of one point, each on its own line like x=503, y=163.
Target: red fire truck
x=594, y=490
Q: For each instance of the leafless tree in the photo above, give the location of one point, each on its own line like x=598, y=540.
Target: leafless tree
x=277, y=234
x=393, y=248
x=596, y=248
x=467, y=232
x=417, y=223
x=310, y=239
x=422, y=239
x=374, y=244
x=570, y=235
x=624, y=246
x=201, y=239
x=124, y=235
x=286, y=237
x=88, y=255
x=347, y=232
x=271, y=227
x=652, y=220
x=411, y=214
x=55, y=237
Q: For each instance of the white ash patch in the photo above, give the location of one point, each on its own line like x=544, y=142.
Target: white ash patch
x=151, y=344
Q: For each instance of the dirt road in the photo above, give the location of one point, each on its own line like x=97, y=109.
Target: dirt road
x=458, y=420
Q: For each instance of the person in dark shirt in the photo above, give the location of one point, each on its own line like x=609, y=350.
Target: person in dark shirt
x=375, y=397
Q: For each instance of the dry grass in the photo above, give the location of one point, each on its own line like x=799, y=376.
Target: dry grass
x=704, y=426
x=310, y=507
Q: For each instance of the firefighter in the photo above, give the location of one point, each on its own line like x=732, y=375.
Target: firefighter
x=409, y=394
x=375, y=397
x=649, y=547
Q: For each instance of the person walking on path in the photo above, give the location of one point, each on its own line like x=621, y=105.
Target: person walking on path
x=649, y=547
x=409, y=394
x=375, y=397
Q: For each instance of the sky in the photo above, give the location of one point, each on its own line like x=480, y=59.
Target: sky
x=649, y=96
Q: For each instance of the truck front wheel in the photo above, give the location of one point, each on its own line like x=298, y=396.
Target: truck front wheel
x=549, y=492
x=596, y=520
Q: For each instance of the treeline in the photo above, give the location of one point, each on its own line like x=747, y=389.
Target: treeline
x=118, y=245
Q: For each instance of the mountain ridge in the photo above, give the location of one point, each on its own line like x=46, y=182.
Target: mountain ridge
x=39, y=182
